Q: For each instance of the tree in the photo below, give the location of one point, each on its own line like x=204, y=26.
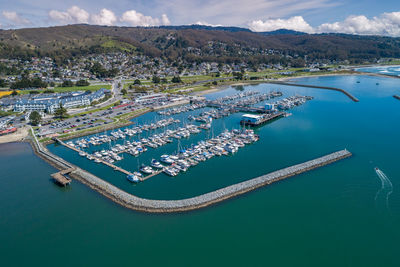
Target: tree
x=14, y=93
x=82, y=83
x=137, y=82
x=156, y=79
x=67, y=83
x=61, y=112
x=238, y=75
x=35, y=118
x=124, y=92
x=176, y=79
x=3, y=83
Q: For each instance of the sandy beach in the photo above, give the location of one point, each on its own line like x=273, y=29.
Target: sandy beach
x=18, y=136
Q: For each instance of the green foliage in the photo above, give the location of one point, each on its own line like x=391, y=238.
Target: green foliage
x=100, y=72
x=35, y=118
x=137, y=82
x=28, y=83
x=67, y=83
x=14, y=93
x=238, y=75
x=176, y=79
x=124, y=91
x=61, y=112
x=82, y=83
x=156, y=79
x=3, y=83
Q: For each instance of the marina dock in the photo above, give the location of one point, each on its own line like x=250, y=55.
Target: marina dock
x=116, y=168
x=168, y=206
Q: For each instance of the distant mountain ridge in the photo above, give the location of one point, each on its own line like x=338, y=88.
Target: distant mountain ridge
x=193, y=42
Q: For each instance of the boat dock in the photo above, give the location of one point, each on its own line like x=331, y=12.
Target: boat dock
x=167, y=206
x=261, y=119
x=116, y=168
x=60, y=177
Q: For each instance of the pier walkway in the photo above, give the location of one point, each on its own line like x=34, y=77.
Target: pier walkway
x=61, y=178
x=116, y=168
x=318, y=87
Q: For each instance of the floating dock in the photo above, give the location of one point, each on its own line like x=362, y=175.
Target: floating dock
x=116, y=168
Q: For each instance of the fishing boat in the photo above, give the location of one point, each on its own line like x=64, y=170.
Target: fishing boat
x=133, y=178
x=156, y=164
x=170, y=171
x=167, y=159
x=146, y=169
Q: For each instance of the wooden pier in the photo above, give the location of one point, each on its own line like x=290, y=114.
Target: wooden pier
x=151, y=175
x=116, y=168
x=60, y=177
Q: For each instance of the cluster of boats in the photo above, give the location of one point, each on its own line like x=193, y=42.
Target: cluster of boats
x=226, y=143
x=237, y=96
x=292, y=101
x=120, y=134
x=181, y=109
x=135, y=148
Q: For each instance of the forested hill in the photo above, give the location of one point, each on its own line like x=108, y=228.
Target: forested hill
x=193, y=43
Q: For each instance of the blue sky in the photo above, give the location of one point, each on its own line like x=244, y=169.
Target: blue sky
x=349, y=16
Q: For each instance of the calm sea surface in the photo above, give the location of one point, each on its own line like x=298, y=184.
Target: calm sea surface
x=339, y=215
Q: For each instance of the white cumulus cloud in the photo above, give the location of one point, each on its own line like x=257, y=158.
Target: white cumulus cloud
x=385, y=24
x=134, y=18
x=296, y=23
x=15, y=18
x=105, y=17
x=72, y=15
x=203, y=23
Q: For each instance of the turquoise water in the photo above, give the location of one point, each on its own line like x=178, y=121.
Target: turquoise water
x=331, y=216
x=387, y=70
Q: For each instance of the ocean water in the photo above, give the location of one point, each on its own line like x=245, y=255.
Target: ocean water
x=387, y=70
x=339, y=215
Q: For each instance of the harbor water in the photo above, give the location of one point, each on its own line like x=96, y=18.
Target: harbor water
x=334, y=216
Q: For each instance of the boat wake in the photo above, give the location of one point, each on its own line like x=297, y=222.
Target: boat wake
x=386, y=188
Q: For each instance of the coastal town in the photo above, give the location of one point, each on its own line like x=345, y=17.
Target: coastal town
x=187, y=133
x=95, y=84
